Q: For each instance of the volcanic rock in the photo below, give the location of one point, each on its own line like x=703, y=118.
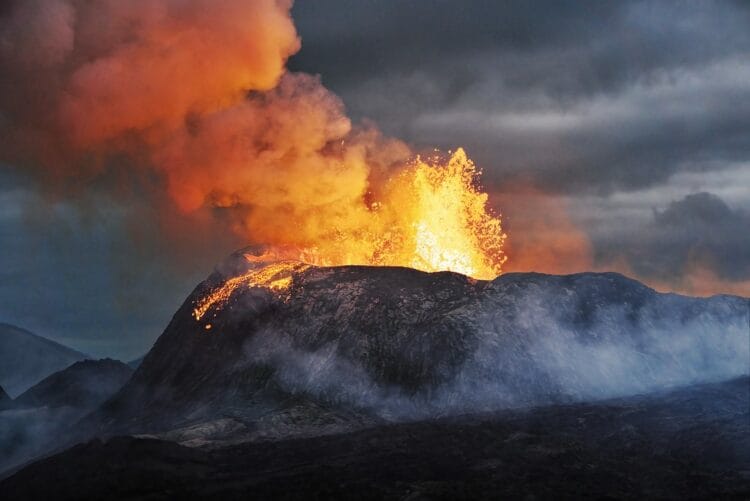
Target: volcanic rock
x=342, y=347
x=691, y=443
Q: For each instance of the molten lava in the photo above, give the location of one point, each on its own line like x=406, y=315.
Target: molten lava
x=274, y=276
x=432, y=217
x=451, y=227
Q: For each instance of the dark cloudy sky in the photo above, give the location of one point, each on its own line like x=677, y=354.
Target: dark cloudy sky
x=635, y=114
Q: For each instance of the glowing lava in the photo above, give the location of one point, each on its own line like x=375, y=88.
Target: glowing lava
x=430, y=216
x=452, y=228
x=274, y=276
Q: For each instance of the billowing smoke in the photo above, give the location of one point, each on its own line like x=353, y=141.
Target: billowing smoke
x=87, y=78
x=193, y=96
x=165, y=85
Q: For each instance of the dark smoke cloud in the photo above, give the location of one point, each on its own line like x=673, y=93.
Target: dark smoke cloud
x=586, y=96
x=699, y=229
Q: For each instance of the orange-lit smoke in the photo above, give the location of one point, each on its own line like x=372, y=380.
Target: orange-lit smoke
x=195, y=93
x=545, y=237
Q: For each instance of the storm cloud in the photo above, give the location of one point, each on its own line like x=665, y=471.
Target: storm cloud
x=698, y=229
x=595, y=96
x=623, y=112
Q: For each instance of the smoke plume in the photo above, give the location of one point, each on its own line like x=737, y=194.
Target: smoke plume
x=193, y=96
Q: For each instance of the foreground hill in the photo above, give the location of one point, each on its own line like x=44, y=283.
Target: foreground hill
x=692, y=443
x=26, y=359
x=311, y=350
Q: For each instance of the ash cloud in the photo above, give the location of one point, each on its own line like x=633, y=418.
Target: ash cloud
x=173, y=128
x=695, y=239
x=699, y=227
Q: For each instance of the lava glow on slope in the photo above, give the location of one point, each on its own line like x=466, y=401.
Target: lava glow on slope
x=273, y=276
x=432, y=217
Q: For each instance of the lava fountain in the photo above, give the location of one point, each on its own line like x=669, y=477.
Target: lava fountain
x=432, y=217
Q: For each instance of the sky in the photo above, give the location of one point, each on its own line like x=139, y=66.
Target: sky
x=611, y=135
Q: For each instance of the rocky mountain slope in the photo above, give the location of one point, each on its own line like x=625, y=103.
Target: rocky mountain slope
x=692, y=443
x=26, y=359
x=337, y=348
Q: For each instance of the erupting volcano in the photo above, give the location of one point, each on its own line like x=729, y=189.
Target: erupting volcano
x=369, y=339
x=433, y=218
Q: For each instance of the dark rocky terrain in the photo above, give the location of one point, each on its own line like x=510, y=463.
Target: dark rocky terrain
x=354, y=346
x=26, y=359
x=691, y=443
x=83, y=385
x=385, y=382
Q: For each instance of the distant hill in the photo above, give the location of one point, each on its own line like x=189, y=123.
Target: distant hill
x=84, y=384
x=5, y=401
x=26, y=359
x=134, y=364
x=43, y=414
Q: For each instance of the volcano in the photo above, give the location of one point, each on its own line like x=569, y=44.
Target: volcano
x=266, y=350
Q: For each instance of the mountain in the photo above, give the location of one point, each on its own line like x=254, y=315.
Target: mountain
x=25, y=358
x=83, y=385
x=40, y=419
x=691, y=443
x=134, y=364
x=322, y=350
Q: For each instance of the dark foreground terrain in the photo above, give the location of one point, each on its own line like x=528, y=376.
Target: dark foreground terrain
x=690, y=443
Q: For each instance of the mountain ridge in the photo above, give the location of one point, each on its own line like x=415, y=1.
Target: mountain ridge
x=27, y=358
x=86, y=383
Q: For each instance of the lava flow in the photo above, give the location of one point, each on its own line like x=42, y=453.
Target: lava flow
x=274, y=276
